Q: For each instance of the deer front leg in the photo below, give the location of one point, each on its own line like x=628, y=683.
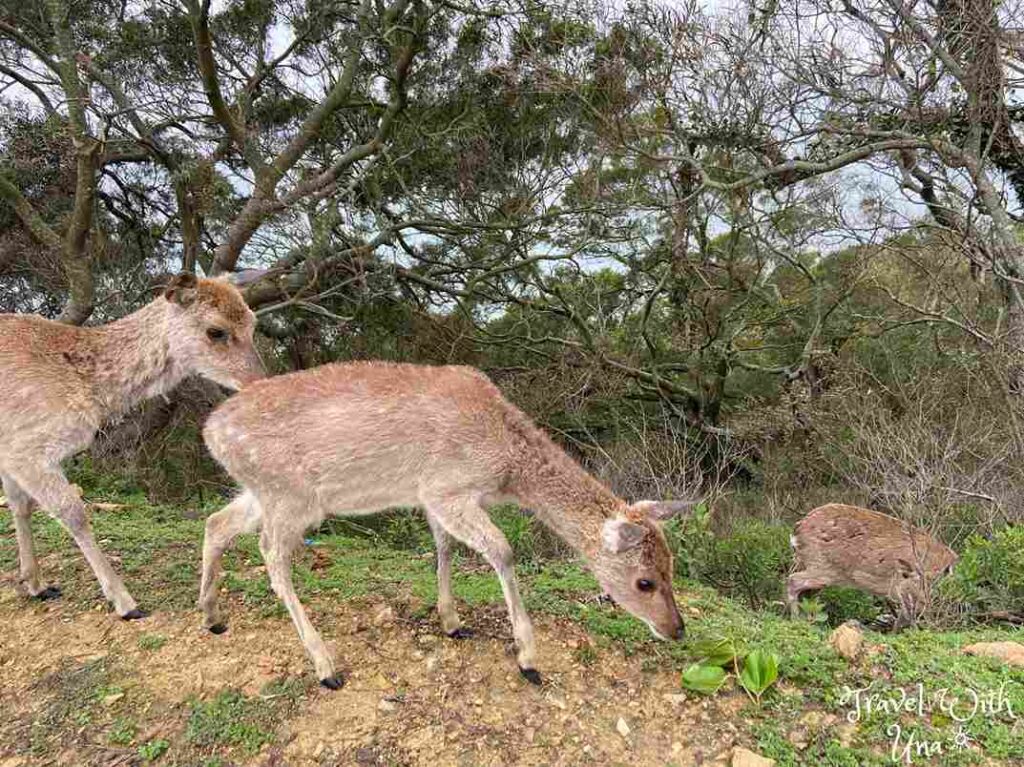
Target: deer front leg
x=466, y=520
x=242, y=515
x=55, y=494
x=22, y=505
x=450, y=622
x=276, y=547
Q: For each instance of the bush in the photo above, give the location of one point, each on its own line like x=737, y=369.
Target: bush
x=751, y=561
x=990, y=574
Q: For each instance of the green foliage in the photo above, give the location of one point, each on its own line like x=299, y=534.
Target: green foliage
x=760, y=671
x=705, y=679
x=990, y=573
x=718, y=652
x=123, y=731
x=153, y=750
x=232, y=719
x=842, y=604
x=152, y=642
x=750, y=561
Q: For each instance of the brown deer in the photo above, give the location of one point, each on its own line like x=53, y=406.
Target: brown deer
x=358, y=438
x=839, y=545
x=60, y=383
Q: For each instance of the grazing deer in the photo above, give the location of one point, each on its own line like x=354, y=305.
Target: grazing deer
x=358, y=438
x=838, y=545
x=60, y=383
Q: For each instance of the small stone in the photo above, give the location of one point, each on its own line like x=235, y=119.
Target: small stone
x=742, y=757
x=386, y=706
x=845, y=733
x=557, y=702
x=384, y=616
x=427, y=639
x=431, y=663
x=676, y=747
x=530, y=734
x=676, y=699
x=110, y=700
x=1010, y=653
x=622, y=727
x=847, y=640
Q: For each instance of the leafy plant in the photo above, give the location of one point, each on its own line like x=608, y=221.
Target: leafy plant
x=123, y=732
x=760, y=671
x=750, y=561
x=990, y=573
x=718, y=652
x=813, y=610
x=153, y=750
x=703, y=678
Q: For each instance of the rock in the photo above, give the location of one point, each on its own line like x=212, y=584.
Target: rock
x=622, y=727
x=426, y=639
x=676, y=699
x=379, y=682
x=110, y=700
x=847, y=640
x=742, y=757
x=386, y=706
x=817, y=720
x=845, y=733
x=431, y=663
x=1010, y=653
x=557, y=702
x=384, y=616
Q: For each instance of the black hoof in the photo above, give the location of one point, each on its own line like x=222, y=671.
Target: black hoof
x=218, y=628
x=460, y=633
x=50, y=592
x=531, y=675
x=335, y=682
x=135, y=615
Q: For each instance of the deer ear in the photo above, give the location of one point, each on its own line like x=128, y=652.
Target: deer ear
x=618, y=535
x=182, y=289
x=662, y=510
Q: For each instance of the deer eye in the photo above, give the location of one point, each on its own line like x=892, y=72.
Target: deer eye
x=645, y=585
x=217, y=334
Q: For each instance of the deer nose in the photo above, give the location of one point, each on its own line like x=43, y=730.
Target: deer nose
x=680, y=632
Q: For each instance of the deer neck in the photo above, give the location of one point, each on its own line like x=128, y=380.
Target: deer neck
x=131, y=359
x=566, y=499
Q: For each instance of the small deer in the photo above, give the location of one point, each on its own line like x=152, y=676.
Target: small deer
x=60, y=383
x=839, y=545
x=358, y=438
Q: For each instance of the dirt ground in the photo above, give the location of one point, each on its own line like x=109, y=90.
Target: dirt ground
x=413, y=697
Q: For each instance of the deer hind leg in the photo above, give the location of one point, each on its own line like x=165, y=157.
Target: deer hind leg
x=466, y=520
x=797, y=584
x=242, y=515
x=22, y=505
x=451, y=624
x=276, y=545
x=56, y=495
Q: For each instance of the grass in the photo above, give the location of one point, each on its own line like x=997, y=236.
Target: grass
x=160, y=553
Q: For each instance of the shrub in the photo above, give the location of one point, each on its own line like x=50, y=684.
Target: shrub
x=990, y=574
x=751, y=561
